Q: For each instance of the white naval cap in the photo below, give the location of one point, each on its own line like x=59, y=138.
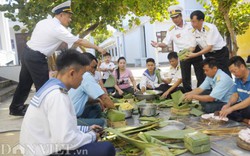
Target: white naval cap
x=174, y=10
x=63, y=7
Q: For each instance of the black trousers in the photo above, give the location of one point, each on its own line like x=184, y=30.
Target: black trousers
x=129, y=90
x=211, y=107
x=35, y=70
x=239, y=115
x=164, y=88
x=222, y=58
x=186, y=71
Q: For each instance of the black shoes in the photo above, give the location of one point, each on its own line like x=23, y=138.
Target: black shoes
x=20, y=111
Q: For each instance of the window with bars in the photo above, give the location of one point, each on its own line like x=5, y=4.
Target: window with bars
x=160, y=37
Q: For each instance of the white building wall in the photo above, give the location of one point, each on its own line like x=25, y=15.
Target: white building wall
x=133, y=49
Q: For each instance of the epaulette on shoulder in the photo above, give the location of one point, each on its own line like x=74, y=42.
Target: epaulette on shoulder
x=218, y=78
x=171, y=28
x=193, y=30
x=206, y=28
x=63, y=90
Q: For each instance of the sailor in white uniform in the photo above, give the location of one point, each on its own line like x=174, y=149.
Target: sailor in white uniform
x=209, y=39
x=50, y=124
x=47, y=36
x=181, y=35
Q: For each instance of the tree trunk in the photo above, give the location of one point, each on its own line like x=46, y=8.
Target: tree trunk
x=225, y=11
x=84, y=33
x=232, y=34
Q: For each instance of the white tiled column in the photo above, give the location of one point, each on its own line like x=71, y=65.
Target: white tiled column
x=6, y=51
x=4, y=31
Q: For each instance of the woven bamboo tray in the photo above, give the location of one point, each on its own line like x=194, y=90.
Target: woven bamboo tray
x=182, y=112
x=242, y=144
x=211, y=121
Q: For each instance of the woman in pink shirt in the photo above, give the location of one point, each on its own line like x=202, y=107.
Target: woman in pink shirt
x=123, y=78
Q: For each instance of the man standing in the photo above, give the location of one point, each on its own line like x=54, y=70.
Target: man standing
x=218, y=82
x=45, y=39
x=209, y=40
x=181, y=35
x=239, y=111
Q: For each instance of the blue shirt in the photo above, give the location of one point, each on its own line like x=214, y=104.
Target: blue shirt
x=243, y=89
x=221, y=85
x=88, y=88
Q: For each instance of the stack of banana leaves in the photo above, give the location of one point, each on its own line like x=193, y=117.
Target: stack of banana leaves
x=184, y=107
x=164, y=103
x=147, y=140
x=183, y=54
x=128, y=96
x=115, y=115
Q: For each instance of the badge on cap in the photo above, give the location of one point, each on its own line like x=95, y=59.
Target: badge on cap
x=174, y=10
x=63, y=7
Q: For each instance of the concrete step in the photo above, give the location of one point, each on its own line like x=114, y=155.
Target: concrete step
x=7, y=92
x=5, y=83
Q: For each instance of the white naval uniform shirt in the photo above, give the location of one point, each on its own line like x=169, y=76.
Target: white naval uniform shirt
x=209, y=35
x=105, y=65
x=182, y=37
x=146, y=81
x=52, y=127
x=48, y=35
x=174, y=74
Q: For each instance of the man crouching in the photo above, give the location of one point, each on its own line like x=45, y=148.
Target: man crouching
x=50, y=124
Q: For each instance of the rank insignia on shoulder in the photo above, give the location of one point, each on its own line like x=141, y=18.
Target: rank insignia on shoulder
x=63, y=90
x=171, y=28
x=193, y=30
x=206, y=28
x=218, y=78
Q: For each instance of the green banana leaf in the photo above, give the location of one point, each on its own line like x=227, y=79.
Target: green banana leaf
x=158, y=75
x=128, y=96
x=110, y=82
x=196, y=139
x=178, y=99
x=178, y=151
x=198, y=149
x=141, y=102
x=149, y=139
x=158, y=151
x=153, y=119
x=142, y=128
x=196, y=112
x=115, y=115
x=116, y=100
x=171, y=134
x=183, y=54
x=164, y=103
x=196, y=105
x=137, y=143
x=151, y=92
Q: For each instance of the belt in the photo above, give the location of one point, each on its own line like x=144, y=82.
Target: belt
x=214, y=51
x=38, y=52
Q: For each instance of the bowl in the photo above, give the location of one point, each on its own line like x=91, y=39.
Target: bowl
x=128, y=113
x=147, y=110
x=148, y=97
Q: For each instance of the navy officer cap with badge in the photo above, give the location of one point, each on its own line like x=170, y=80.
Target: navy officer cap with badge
x=63, y=7
x=174, y=10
